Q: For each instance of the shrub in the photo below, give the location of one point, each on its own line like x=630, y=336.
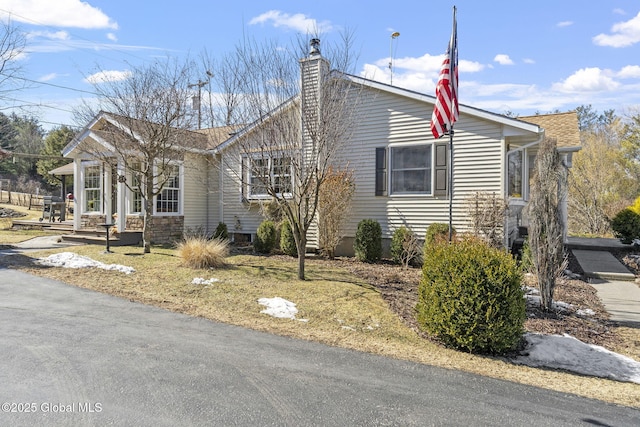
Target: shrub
x=198, y=252
x=266, y=237
x=437, y=231
x=287, y=241
x=334, y=202
x=470, y=297
x=368, y=242
x=405, y=247
x=626, y=225
x=221, y=231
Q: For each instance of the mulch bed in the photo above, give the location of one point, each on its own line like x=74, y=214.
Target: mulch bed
x=399, y=288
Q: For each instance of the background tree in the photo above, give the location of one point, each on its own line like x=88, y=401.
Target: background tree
x=602, y=179
x=51, y=153
x=153, y=109
x=26, y=146
x=12, y=45
x=545, y=224
x=296, y=138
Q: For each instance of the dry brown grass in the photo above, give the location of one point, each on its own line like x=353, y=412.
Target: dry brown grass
x=342, y=310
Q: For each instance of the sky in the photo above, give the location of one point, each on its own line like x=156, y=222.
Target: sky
x=518, y=57
x=547, y=351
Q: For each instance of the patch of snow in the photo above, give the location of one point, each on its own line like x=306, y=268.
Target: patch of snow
x=71, y=260
x=535, y=300
x=568, y=353
x=585, y=312
x=201, y=281
x=280, y=307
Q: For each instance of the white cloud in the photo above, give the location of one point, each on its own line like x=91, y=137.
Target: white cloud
x=59, y=13
x=51, y=35
x=623, y=34
x=112, y=37
x=618, y=11
x=297, y=22
x=588, y=79
x=562, y=24
x=503, y=59
x=528, y=61
x=48, y=77
x=629, y=71
x=108, y=76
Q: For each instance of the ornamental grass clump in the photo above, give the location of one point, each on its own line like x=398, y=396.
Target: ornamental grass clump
x=198, y=252
x=470, y=297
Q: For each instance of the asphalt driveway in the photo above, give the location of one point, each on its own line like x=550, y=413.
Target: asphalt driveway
x=70, y=356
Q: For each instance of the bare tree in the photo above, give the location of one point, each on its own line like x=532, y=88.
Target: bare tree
x=147, y=128
x=300, y=125
x=12, y=45
x=545, y=224
x=487, y=213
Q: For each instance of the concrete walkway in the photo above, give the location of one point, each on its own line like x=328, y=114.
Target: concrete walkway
x=614, y=283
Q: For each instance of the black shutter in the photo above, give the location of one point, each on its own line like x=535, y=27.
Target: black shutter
x=440, y=170
x=381, y=171
x=243, y=178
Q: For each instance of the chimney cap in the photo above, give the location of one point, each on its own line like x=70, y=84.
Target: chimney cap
x=315, y=47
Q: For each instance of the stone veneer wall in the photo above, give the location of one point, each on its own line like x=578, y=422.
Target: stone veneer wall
x=166, y=229
x=91, y=221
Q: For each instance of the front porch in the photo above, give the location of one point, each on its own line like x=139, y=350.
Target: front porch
x=96, y=235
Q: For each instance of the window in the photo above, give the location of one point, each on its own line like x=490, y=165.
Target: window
x=515, y=171
x=273, y=173
x=168, y=201
x=135, y=194
x=92, y=188
x=411, y=169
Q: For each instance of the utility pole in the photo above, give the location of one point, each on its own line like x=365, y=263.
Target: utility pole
x=199, y=84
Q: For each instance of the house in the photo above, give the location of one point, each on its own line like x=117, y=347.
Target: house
x=400, y=170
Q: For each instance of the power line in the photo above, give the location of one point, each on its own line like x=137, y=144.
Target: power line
x=54, y=85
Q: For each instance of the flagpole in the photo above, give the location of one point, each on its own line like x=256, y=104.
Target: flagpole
x=452, y=45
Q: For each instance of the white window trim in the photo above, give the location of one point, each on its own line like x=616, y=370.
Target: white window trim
x=180, y=166
x=390, y=170
x=525, y=176
x=85, y=200
x=248, y=172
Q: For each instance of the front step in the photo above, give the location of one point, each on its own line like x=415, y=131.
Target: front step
x=128, y=238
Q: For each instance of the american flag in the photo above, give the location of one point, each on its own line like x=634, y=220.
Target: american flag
x=445, y=112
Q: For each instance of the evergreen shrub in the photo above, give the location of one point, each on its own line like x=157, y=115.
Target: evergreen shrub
x=287, y=241
x=266, y=237
x=626, y=225
x=221, y=231
x=368, y=241
x=470, y=297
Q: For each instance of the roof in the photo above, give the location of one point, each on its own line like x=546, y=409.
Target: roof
x=561, y=126
x=103, y=126
x=62, y=170
x=218, y=135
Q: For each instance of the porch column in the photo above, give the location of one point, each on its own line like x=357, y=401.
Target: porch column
x=77, y=194
x=121, y=201
x=563, y=187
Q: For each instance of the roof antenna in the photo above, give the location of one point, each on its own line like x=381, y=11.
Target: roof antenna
x=394, y=36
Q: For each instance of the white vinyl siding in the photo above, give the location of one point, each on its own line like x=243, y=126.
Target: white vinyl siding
x=391, y=120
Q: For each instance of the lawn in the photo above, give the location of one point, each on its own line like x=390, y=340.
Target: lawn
x=338, y=307
x=8, y=236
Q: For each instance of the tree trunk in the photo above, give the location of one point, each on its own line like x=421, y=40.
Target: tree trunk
x=147, y=225
x=301, y=244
